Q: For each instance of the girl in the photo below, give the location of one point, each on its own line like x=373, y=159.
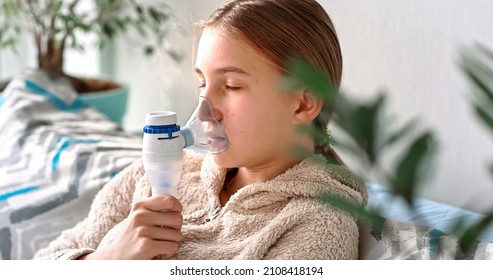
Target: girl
x=256, y=200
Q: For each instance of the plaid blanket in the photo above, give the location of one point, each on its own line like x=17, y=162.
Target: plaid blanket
x=55, y=154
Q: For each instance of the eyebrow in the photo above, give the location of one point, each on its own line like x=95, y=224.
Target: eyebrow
x=227, y=69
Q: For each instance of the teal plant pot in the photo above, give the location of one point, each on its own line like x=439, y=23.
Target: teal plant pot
x=112, y=103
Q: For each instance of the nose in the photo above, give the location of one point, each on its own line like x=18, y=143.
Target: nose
x=206, y=110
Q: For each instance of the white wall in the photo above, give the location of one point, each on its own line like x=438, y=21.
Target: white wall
x=11, y=63
x=409, y=48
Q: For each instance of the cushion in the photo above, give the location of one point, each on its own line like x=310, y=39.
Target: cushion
x=57, y=153
x=398, y=240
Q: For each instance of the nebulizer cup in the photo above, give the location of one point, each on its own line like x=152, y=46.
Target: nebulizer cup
x=164, y=141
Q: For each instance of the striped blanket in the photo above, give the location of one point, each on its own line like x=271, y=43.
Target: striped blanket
x=55, y=154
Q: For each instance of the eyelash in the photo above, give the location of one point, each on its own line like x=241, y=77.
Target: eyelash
x=227, y=87
x=233, y=88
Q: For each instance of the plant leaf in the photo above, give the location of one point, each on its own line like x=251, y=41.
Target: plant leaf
x=108, y=30
x=471, y=234
x=404, y=131
x=414, y=167
x=470, y=71
x=361, y=122
x=301, y=74
x=484, y=115
x=356, y=210
x=316, y=132
x=148, y=50
x=157, y=16
x=175, y=55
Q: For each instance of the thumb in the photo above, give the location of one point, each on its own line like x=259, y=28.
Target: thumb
x=160, y=203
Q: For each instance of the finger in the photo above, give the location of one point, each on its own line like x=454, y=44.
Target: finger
x=164, y=234
x=161, y=203
x=166, y=249
x=149, y=249
x=172, y=220
x=145, y=217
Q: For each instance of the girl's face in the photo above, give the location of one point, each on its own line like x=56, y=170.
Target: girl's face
x=245, y=91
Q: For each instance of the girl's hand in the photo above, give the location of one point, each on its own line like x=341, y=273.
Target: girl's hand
x=152, y=229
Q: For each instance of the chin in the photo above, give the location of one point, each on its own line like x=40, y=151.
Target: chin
x=224, y=160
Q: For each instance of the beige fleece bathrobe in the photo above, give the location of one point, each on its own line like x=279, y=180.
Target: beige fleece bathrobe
x=279, y=219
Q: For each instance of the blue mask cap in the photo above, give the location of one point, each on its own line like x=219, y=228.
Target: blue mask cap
x=204, y=131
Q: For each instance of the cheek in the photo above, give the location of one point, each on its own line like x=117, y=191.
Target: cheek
x=239, y=125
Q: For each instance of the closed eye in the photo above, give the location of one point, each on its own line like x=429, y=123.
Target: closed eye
x=231, y=88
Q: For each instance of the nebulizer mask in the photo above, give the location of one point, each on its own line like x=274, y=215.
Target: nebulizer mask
x=164, y=141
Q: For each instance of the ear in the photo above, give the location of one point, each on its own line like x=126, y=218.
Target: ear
x=309, y=106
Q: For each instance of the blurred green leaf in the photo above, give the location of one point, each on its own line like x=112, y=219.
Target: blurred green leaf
x=108, y=30
x=488, y=53
x=316, y=132
x=175, y=55
x=139, y=26
x=491, y=170
x=361, y=122
x=55, y=31
x=300, y=152
x=9, y=42
x=301, y=74
x=413, y=168
x=356, y=210
x=121, y=23
x=477, y=65
x=148, y=50
x=471, y=235
x=157, y=16
x=400, y=134
x=485, y=115
x=139, y=9
x=349, y=146
x=57, y=7
x=470, y=69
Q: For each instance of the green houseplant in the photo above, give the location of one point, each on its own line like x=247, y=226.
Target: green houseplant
x=56, y=25
x=368, y=133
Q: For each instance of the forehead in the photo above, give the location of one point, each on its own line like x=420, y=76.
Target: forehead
x=219, y=48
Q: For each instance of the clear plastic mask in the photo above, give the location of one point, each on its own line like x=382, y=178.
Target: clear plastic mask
x=204, y=131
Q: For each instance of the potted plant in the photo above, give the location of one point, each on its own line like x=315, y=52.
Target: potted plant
x=56, y=25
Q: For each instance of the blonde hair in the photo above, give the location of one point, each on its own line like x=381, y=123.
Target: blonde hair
x=283, y=30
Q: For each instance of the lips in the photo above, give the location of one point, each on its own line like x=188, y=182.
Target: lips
x=216, y=144
x=215, y=140
x=212, y=133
